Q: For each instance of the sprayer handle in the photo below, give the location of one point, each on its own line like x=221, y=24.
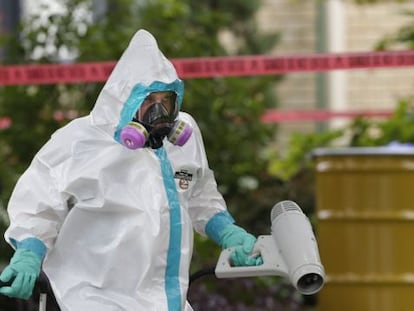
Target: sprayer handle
x=272, y=262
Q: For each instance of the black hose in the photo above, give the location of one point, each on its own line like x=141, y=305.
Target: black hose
x=201, y=273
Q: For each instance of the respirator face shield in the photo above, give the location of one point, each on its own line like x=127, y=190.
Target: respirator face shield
x=156, y=119
x=158, y=112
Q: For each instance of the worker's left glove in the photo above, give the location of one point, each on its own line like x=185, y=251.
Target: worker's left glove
x=235, y=236
x=23, y=270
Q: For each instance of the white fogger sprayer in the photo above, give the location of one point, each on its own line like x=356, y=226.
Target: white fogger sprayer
x=291, y=251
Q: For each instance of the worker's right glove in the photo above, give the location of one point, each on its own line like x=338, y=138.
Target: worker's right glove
x=235, y=236
x=24, y=269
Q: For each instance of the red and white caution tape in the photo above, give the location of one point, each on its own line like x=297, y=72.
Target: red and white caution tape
x=206, y=67
x=276, y=116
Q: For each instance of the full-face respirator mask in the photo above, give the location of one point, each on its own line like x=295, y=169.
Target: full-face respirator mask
x=155, y=120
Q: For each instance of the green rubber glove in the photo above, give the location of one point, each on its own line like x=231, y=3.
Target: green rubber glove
x=23, y=271
x=235, y=236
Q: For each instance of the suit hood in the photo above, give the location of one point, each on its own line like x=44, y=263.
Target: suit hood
x=142, y=69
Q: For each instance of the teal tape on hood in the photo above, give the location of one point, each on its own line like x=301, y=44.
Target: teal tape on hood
x=137, y=96
x=172, y=281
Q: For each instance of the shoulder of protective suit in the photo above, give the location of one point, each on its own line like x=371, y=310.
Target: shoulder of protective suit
x=185, y=116
x=62, y=144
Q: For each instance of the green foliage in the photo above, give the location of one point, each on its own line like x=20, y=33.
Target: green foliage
x=285, y=166
x=400, y=127
x=404, y=36
x=361, y=132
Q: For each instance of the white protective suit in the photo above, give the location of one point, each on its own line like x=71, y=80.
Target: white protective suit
x=118, y=236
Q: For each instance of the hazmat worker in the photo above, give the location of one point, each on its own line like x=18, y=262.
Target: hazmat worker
x=108, y=206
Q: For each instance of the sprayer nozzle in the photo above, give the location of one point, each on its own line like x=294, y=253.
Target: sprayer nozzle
x=310, y=283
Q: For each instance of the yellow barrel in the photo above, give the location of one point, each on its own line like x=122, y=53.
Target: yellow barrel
x=365, y=228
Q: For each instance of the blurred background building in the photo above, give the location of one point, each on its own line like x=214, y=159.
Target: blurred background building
x=9, y=17
x=336, y=26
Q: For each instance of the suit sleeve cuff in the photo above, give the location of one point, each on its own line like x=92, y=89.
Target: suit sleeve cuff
x=216, y=225
x=32, y=244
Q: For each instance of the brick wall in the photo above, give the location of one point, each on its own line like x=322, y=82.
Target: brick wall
x=365, y=26
x=296, y=21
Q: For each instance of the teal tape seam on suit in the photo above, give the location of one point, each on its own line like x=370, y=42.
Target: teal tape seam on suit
x=172, y=281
